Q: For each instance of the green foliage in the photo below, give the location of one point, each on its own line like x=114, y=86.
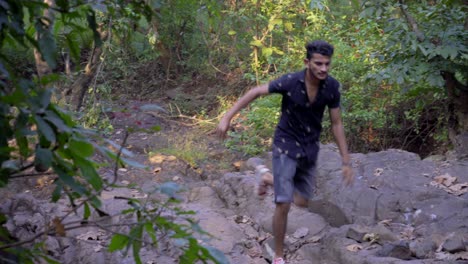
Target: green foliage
x=94, y=116
x=37, y=134
x=413, y=57
x=390, y=73
x=189, y=149
x=182, y=230
x=254, y=131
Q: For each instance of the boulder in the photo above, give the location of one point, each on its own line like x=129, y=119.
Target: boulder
x=394, y=186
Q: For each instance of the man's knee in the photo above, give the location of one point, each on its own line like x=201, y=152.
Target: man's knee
x=283, y=207
x=300, y=201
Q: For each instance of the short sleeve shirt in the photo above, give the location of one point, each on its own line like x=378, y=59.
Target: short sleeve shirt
x=298, y=131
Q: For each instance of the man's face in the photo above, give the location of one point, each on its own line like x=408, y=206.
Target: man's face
x=318, y=66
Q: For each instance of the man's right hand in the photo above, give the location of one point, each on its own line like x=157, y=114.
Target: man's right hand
x=223, y=127
x=251, y=95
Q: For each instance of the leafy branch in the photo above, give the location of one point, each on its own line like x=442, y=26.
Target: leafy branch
x=410, y=19
x=35, y=128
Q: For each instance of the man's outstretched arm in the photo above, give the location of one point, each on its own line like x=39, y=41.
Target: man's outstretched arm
x=245, y=100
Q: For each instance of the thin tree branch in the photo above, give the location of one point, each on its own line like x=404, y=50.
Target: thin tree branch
x=450, y=77
x=410, y=19
x=23, y=169
x=116, y=167
x=51, y=232
x=31, y=175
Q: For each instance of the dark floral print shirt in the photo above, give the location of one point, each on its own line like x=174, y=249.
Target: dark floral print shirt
x=298, y=132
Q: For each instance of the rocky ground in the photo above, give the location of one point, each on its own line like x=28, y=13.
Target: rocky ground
x=401, y=209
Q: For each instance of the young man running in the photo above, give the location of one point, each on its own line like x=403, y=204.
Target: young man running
x=296, y=140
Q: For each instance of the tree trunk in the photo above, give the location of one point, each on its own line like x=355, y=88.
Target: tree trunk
x=457, y=94
x=42, y=67
x=165, y=56
x=458, y=109
x=80, y=86
x=458, y=113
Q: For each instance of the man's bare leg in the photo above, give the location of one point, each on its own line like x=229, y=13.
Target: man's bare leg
x=266, y=180
x=300, y=201
x=280, y=222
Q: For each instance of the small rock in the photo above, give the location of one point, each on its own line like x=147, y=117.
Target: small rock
x=435, y=158
x=454, y=244
x=269, y=248
x=301, y=232
x=384, y=233
x=254, y=162
x=52, y=246
x=422, y=248
x=90, y=235
x=378, y=172
x=357, y=233
x=98, y=248
x=152, y=108
x=398, y=250
x=253, y=248
x=176, y=178
x=291, y=240
x=241, y=219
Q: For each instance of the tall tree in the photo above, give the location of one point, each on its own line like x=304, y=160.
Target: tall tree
x=427, y=46
x=43, y=33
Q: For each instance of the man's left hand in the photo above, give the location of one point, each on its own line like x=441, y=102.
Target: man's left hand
x=348, y=175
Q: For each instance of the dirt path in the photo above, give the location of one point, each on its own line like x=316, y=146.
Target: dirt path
x=192, y=157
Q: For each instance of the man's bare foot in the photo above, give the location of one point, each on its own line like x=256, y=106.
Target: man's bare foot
x=265, y=179
x=262, y=189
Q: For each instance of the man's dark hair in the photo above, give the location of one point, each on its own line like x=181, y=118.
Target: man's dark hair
x=319, y=46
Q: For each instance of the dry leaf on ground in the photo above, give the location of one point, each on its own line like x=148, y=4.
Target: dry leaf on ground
x=170, y=158
x=237, y=165
x=446, y=183
x=445, y=179
x=385, y=222
x=156, y=159
x=354, y=247
x=59, y=227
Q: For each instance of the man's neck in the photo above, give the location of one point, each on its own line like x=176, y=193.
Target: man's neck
x=311, y=80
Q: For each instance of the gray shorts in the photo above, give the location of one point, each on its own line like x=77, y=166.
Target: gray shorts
x=292, y=176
